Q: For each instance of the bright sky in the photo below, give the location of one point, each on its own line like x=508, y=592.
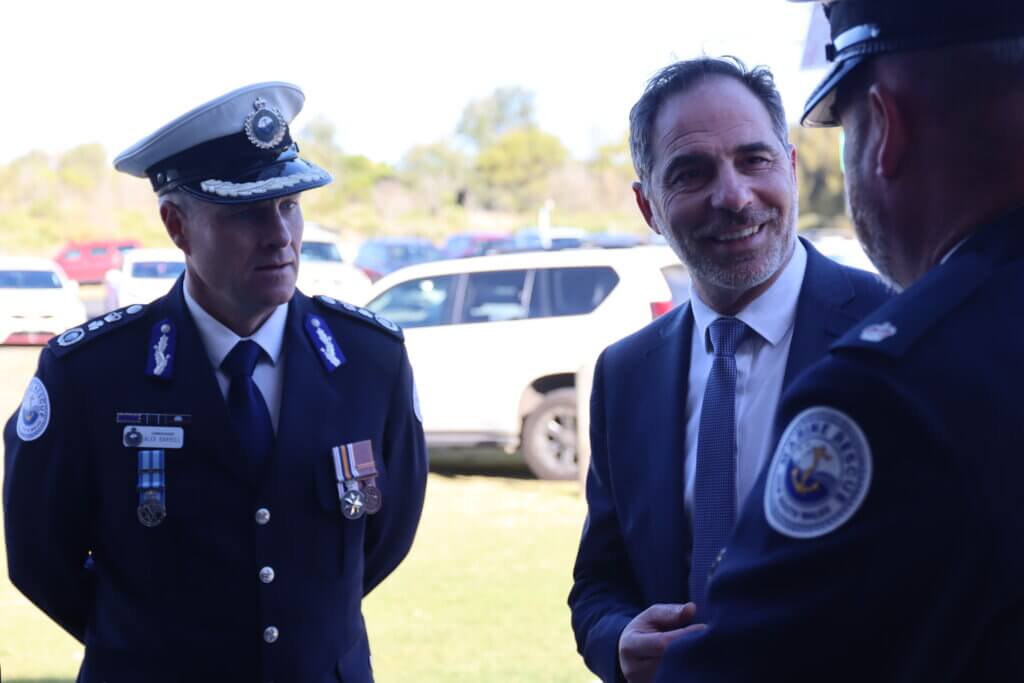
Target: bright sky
x=389, y=74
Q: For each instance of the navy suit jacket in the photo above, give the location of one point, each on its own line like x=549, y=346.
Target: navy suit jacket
x=920, y=578
x=186, y=600
x=636, y=541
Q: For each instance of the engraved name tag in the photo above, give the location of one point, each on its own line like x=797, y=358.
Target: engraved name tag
x=141, y=436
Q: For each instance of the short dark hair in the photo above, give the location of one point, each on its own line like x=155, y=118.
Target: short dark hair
x=686, y=75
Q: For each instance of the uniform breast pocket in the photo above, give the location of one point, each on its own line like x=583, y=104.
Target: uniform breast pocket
x=338, y=538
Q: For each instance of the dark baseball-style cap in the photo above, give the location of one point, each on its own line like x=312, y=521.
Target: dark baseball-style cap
x=232, y=150
x=861, y=29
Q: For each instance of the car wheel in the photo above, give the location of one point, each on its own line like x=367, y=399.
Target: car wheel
x=549, y=436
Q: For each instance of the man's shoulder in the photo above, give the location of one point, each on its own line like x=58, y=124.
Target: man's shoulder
x=659, y=331
x=344, y=313
x=109, y=327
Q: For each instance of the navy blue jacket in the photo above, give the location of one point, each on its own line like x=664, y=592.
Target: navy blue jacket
x=184, y=600
x=636, y=540
x=922, y=582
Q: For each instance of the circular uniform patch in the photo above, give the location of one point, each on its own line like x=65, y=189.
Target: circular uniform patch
x=72, y=336
x=819, y=475
x=34, y=416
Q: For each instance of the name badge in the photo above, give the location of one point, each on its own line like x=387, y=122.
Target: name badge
x=141, y=436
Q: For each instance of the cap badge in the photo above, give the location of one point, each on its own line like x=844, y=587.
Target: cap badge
x=265, y=126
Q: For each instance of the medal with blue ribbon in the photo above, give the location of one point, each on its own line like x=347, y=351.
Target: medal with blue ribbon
x=152, y=508
x=356, y=474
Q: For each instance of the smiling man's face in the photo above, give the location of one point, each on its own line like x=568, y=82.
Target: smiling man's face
x=722, y=190
x=243, y=259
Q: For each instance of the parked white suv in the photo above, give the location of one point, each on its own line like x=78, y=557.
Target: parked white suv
x=144, y=275
x=322, y=270
x=496, y=341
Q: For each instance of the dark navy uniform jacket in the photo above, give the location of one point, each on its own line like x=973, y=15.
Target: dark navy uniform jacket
x=925, y=581
x=636, y=540
x=184, y=600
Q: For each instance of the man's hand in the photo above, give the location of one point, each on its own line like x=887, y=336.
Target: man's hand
x=644, y=639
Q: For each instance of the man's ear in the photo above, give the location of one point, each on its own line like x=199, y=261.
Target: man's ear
x=175, y=221
x=889, y=123
x=644, y=206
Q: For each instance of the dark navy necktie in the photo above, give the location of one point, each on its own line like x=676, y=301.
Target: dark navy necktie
x=714, y=485
x=248, y=410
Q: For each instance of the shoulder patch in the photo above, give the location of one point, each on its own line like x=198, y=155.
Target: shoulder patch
x=819, y=476
x=34, y=415
x=359, y=313
x=76, y=337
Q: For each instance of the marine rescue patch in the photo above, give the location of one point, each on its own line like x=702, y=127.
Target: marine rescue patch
x=359, y=313
x=34, y=415
x=819, y=476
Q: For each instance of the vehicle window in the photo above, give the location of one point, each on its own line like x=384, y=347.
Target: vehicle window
x=320, y=251
x=678, y=283
x=72, y=254
x=155, y=269
x=125, y=247
x=29, y=279
x=98, y=251
x=497, y=295
x=575, y=291
x=416, y=303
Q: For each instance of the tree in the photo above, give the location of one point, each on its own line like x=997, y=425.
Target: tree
x=436, y=171
x=513, y=171
x=486, y=119
x=822, y=199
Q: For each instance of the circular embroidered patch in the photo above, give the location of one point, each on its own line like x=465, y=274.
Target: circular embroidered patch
x=819, y=475
x=72, y=336
x=34, y=416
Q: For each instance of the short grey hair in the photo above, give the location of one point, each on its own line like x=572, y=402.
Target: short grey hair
x=686, y=75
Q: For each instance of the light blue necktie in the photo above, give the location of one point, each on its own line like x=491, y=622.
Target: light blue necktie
x=714, y=485
x=248, y=410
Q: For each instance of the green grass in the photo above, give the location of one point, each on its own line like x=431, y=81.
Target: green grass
x=481, y=597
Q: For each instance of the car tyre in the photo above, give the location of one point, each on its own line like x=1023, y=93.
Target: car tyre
x=549, y=440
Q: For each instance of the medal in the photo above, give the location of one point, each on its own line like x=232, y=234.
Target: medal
x=151, y=510
x=373, y=498
x=353, y=504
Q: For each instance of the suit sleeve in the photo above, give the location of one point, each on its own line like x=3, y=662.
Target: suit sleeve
x=865, y=600
x=403, y=481
x=47, y=511
x=604, y=596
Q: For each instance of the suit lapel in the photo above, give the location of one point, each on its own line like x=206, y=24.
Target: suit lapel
x=665, y=380
x=820, y=319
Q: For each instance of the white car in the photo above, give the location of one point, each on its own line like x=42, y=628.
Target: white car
x=37, y=301
x=322, y=270
x=144, y=275
x=496, y=341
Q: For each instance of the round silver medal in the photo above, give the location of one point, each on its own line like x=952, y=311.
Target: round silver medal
x=151, y=510
x=353, y=504
x=373, y=499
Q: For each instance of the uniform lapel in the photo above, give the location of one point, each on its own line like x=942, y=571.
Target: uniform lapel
x=193, y=388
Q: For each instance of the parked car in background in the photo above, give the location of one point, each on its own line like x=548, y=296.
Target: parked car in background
x=323, y=271
x=496, y=341
x=464, y=244
x=88, y=262
x=842, y=248
x=37, y=301
x=144, y=275
x=554, y=237
x=379, y=256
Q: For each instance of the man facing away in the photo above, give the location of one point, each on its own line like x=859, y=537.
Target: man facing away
x=681, y=411
x=883, y=540
x=203, y=488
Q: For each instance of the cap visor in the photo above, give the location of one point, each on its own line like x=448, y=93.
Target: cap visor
x=278, y=179
x=819, y=112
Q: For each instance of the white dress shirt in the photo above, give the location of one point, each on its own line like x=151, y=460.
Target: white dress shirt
x=760, y=367
x=219, y=340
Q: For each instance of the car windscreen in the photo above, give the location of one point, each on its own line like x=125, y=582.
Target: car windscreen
x=416, y=303
x=29, y=279
x=157, y=269
x=320, y=251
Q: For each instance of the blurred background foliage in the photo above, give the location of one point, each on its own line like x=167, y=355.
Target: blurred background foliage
x=493, y=172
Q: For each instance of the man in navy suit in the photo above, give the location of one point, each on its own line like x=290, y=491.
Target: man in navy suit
x=203, y=488
x=883, y=542
x=717, y=179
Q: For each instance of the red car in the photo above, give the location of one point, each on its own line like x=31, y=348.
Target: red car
x=87, y=262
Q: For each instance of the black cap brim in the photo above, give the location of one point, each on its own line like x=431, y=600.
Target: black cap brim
x=819, y=112
x=286, y=176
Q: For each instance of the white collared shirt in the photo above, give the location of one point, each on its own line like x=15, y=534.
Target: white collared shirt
x=760, y=367
x=219, y=340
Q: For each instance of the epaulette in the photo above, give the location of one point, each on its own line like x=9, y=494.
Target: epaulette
x=362, y=314
x=77, y=337
x=902, y=321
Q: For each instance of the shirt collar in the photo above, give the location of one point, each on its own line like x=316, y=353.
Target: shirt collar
x=772, y=314
x=219, y=340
